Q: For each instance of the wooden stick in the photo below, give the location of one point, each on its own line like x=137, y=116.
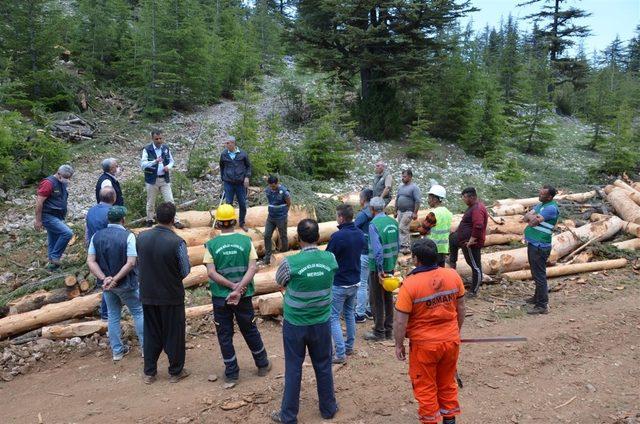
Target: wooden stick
x=566, y=403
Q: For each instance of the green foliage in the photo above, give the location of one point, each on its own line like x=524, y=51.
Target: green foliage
x=419, y=142
x=486, y=126
x=325, y=148
x=135, y=193
x=531, y=134
x=198, y=162
x=26, y=155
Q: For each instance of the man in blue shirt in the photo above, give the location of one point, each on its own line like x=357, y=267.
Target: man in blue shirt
x=364, y=217
x=541, y=221
x=95, y=221
x=112, y=259
x=346, y=245
x=235, y=171
x=279, y=200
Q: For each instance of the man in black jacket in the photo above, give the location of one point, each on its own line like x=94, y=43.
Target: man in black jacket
x=235, y=170
x=110, y=170
x=162, y=263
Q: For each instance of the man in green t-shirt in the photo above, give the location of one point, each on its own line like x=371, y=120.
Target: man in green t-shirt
x=231, y=264
x=308, y=278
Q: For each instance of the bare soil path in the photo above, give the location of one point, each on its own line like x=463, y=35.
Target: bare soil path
x=580, y=365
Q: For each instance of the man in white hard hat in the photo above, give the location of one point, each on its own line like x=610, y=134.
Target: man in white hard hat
x=437, y=224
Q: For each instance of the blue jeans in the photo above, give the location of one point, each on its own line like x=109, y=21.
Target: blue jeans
x=240, y=192
x=115, y=298
x=344, y=298
x=363, y=287
x=58, y=236
x=317, y=339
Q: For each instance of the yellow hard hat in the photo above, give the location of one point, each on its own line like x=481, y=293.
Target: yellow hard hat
x=391, y=283
x=225, y=213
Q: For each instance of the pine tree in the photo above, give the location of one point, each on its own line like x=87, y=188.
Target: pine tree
x=419, y=142
x=510, y=61
x=484, y=133
x=633, y=54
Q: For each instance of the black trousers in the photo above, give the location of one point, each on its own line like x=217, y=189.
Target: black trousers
x=538, y=263
x=164, y=329
x=442, y=260
x=473, y=258
x=223, y=315
x=269, y=226
x=381, y=307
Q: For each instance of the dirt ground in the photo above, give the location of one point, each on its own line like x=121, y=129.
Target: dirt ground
x=581, y=364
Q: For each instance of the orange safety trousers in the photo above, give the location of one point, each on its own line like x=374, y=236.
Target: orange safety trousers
x=432, y=369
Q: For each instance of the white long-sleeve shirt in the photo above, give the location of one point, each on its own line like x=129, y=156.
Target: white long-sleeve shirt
x=145, y=162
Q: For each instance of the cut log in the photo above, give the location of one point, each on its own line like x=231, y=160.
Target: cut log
x=510, y=209
x=624, y=206
x=196, y=277
x=497, y=239
x=326, y=229
x=630, y=228
x=76, y=329
x=560, y=270
x=192, y=236
x=352, y=198
x=532, y=201
x=256, y=217
x=70, y=280
x=84, y=285
x=193, y=219
x=48, y=314
x=598, y=217
x=198, y=311
x=583, y=257
x=269, y=304
x=37, y=300
x=73, y=292
x=196, y=254
x=265, y=282
x=621, y=184
x=633, y=244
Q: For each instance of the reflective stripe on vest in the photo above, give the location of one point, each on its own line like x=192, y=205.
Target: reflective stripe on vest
x=440, y=233
x=309, y=294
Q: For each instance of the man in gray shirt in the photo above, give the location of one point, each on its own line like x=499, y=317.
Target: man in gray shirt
x=382, y=182
x=408, y=202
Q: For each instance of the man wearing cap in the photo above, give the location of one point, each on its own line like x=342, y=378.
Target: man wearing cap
x=231, y=264
x=307, y=277
x=408, y=202
x=384, y=245
x=95, y=221
x=157, y=163
x=51, y=211
x=279, y=200
x=430, y=313
x=112, y=259
x=235, y=171
x=163, y=262
x=110, y=170
x=382, y=182
x=437, y=224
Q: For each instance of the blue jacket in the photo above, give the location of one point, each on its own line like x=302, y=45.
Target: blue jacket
x=362, y=221
x=96, y=220
x=346, y=245
x=278, y=208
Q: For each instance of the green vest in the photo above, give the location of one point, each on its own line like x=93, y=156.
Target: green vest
x=307, y=299
x=230, y=255
x=440, y=233
x=388, y=231
x=542, y=232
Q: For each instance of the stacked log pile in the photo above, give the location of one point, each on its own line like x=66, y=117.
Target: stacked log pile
x=45, y=310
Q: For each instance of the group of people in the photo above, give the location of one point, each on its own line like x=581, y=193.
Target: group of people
x=346, y=281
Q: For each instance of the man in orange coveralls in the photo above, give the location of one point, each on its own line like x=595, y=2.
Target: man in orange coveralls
x=430, y=312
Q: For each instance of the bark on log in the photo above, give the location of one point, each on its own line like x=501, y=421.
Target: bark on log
x=76, y=308
x=73, y=292
x=497, y=239
x=76, y=329
x=560, y=270
x=624, y=206
x=37, y=300
x=633, y=244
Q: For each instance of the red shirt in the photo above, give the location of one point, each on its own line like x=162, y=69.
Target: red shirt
x=474, y=224
x=45, y=188
x=431, y=300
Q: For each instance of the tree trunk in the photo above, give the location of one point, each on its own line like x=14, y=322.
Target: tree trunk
x=256, y=217
x=37, y=300
x=76, y=329
x=532, y=201
x=624, y=206
x=76, y=308
x=497, y=239
x=560, y=270
x=269, y=304
x=326, y=229
x=633, y=244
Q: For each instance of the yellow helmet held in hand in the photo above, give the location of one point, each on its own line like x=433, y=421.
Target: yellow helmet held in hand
x=390, y=283
x=225, y=213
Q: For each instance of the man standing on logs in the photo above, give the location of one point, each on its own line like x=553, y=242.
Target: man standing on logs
x=384, y=245
x=430, y=312
x=382, y=183
x=51, y=211
x=408, y=202
x=346, y=245
x=157, y=162
x=95, y=221
x=470, y=237
x=112, y=259
x=231, y=264
x=437, y=224
x=279, y=200
x=307, y=277
x=541, y=221
x=235, y=171
x=163, y=262
x=110, y=170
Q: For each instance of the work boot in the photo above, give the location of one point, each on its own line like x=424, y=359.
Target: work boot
x=337, y=360
x=229, y=383
x=183, y=374
x=275, y=416
x=149, y=379
x=373, y=336
x=388, y=335
x=538, y=310
x=179, y=225
x=244, y=228
x=531, y=300
x=263, y=371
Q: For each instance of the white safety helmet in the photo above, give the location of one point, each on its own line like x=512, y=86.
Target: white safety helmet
x=438, y=190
